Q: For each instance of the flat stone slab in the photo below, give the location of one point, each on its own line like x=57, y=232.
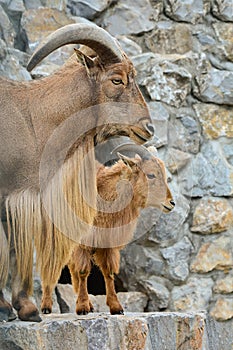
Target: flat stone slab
x=133, y=331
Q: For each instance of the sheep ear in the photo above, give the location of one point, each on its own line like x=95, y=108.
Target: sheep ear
x=128, y=161
x=138, y=157
x=85, y=60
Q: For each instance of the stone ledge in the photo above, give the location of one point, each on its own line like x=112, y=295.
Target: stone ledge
x=133, y=331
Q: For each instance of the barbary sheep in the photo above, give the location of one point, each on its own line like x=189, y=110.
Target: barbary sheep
x=124, y=189
x=48, y=127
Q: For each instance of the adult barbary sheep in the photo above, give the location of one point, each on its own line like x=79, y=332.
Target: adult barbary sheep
x=124, y=189
x=47, y=129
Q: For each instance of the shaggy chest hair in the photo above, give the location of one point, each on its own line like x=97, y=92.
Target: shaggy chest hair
x=118, y=207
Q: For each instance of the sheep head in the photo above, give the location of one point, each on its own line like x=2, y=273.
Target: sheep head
x=148, y=176
x=110, y=80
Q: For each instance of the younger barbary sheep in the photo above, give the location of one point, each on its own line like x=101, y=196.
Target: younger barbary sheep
x=124, y=189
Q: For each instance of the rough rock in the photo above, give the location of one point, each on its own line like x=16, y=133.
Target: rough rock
x=130, y=47
x=212, y=215
x=86, y=8
x=224, y=285
x=159, y=295
x=163, y=80
x=216, y=180
x=216, y=86
x=207, y=39
x=144, y=261
x=219, y=334
x=184, y=134
x=55, y=4
x=3, y=50
x=38, y=23
x=223, y=309
x=7, y=31
x=134, y=16
x=227, y=149
x=170, y=38
x=216, y=121
x=184, y=11
x=98, y=331
x=177, y=257
x=176, y=160
x=222, y=9
x=16, y=6
x=217, y=254
x=167, y=229
x=32, y=4
x=12, y=65
x=224, y=32
x=160, y=116
x=194, y=295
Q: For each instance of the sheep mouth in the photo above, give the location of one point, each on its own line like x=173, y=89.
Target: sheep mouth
x=167, y=209
x=141, y=137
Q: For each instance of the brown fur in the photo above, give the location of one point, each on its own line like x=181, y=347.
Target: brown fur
x=31, y=114
x=114, y=225
x=24, y=217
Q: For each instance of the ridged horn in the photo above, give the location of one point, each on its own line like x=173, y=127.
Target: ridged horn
x=106, y=47
x=131, y=147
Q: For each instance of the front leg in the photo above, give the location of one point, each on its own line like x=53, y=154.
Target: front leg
x=47, y=301
x=80, y=268
x=26, y=310
x=108, y=260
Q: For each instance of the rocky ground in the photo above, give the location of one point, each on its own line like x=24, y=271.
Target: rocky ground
x=182, y=51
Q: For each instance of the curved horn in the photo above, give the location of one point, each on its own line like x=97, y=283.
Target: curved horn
x=131, y=147
x=106, y=47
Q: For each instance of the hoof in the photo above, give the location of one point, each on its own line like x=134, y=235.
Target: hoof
x=7, y=315
x=117, y=312
x=82, y=312
x=12, y=316
x=6, y=310
x=32, y=316
x=46, y=311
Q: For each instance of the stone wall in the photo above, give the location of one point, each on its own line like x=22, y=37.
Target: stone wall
x=183, y=53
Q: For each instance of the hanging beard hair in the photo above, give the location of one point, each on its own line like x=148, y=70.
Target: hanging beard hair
x=53, y=219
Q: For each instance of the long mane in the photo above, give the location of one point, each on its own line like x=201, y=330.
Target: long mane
x=4, y=257
x=53, y=219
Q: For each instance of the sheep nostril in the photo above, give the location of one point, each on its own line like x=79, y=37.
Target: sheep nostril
x=150, y=128
x=172, y=203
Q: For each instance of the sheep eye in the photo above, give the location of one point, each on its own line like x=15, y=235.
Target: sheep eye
x=151, y=176
x=117, y=81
